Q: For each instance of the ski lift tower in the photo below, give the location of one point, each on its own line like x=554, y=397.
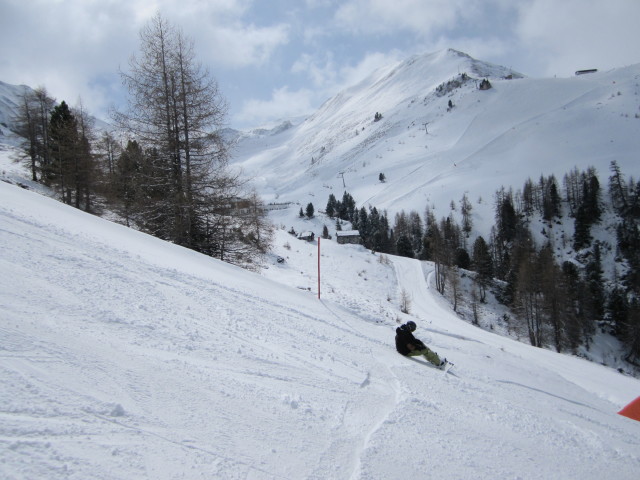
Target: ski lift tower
x=341, y=174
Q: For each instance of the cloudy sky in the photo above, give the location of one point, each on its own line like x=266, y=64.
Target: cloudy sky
x=276, y=59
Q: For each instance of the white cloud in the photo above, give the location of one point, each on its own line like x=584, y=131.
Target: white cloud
x=330, y=77
x=68, y=47
x=420, y=17
x=575, y=34
x=75, y=47
x=321, y=72
x=220, y=32
x=479, y=48
x=351, y=75
x=192, y=11
x=319, y=3
x=283, y=104
x=241, y=45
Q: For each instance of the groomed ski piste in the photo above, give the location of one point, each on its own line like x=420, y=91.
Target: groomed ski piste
x=125, y=357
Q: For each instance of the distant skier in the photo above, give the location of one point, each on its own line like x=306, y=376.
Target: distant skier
x=410, y=346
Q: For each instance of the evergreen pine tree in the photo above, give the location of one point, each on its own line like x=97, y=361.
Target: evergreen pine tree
x=364, y=227
x=595, y=282
x=415, y=230
x=592, y=201
x=65, y=149
x=618, y=189
x=507, y=219
x=425, y=249
x=617, y=310
x=381, y=233
x=628, y=239
x=330, y=210
x=403, y=246
x=550, y=199
x=345, y=208
x=483, y=266
x=528, y=192
x=465, y=211
x=632, y=333
x=634, y=199
x=310, y=210
x=462, y=258
x=582, y=229
x=401, y=225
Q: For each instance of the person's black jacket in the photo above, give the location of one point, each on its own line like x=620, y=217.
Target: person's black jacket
x=404, y=337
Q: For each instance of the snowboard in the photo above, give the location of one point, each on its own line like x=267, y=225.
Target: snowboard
x=445, y=369
x=447, y=366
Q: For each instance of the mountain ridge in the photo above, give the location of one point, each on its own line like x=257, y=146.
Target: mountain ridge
x=491, y=130
x=125, y=356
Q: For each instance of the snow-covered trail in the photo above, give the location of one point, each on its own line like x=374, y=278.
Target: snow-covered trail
x=155, y=363
x=508, y=411
x=122, y=356
x=448, y=330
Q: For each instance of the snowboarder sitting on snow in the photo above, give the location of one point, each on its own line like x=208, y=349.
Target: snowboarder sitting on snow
x=410, y=346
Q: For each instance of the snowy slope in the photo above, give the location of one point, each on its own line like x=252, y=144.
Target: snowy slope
x=122, y=356
x=431, y=154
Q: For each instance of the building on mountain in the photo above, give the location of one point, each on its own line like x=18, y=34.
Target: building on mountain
x=349, y=236
x=307, y=236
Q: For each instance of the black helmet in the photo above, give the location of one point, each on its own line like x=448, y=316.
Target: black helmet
x=412, y=325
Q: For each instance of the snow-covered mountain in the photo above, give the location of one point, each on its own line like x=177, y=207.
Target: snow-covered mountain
x=432, y=153
x=10, y=96
x=123, y=356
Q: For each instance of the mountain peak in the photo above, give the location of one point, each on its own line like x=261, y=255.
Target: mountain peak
x=410, y=80
x=429, y=124
x=450, y=62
